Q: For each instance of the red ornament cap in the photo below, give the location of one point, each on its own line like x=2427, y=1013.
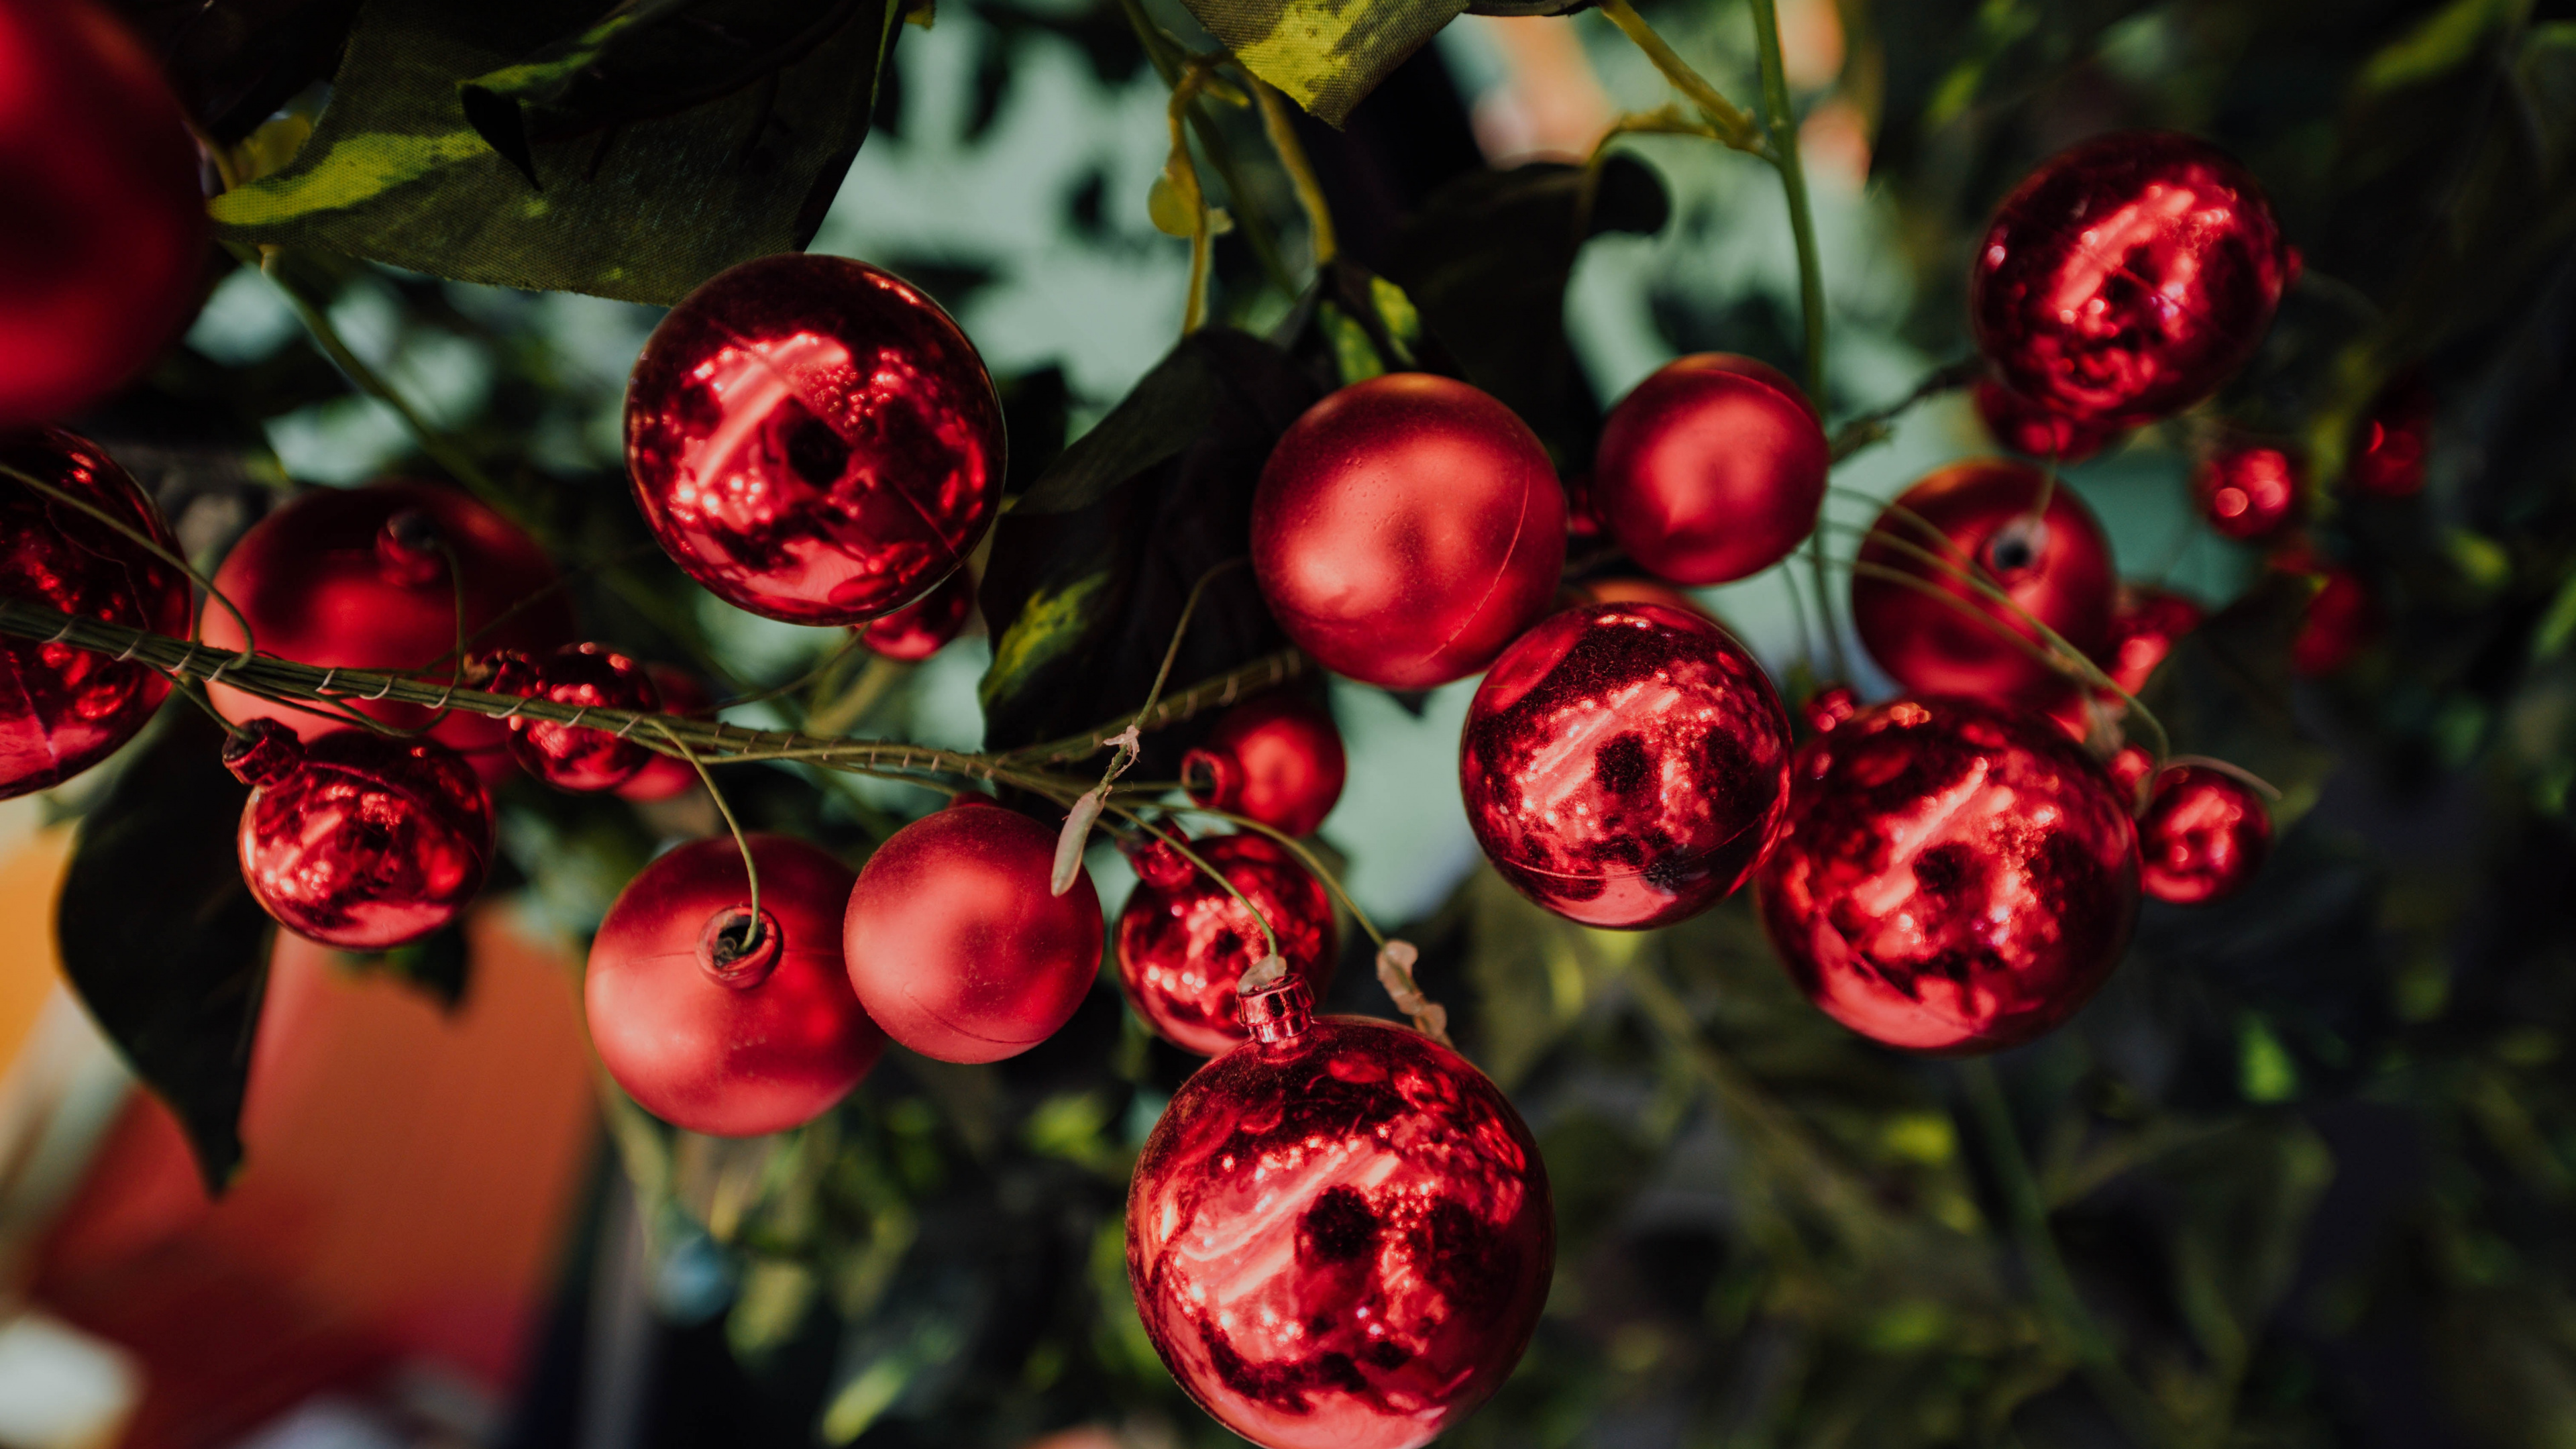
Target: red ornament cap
x=359, y=840
x=2391, y=440
x=570, y=756
x=1712, y=469
x=2248, y=491
x=2035, y=431
x=2204, y=836
x=1276, y=758
x=923, y=627
x=2146, y=623
x=1184, y=941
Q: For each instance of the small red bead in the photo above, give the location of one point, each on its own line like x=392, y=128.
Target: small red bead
x=2248, y=491
x=2129, y=767
x=923, y=627
x=664, y=776
x=575, y=757
x=2034, y=431
x=1710, y=470
x=1184, y=941
x=1276, y=759
x=1830, y=706
x=360, y=840
x=2390, y=442
x=2146, y=623
x=2204, y=835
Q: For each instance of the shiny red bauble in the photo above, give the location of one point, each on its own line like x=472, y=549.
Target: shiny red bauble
x=2034, y=431
x=359, y=578
x=2127, y=277
x=356, y=839
x=2248, y=491
x=2146, y=623
x=1339, y=1235
x=2390, y=443
x=1954, y=877
x=923, y=627
x=1406, y=528
x=1935, y=631
x=1184, y=941
x=956, y=944
x=2340, y=618
x=1711, y=470
x=1625, y=766
x=577, y=757
x=714, y=1034
x=2204, y=835
x=105, y=246
x=813, y=440
x=63, y=709
x=1276, y=759
x=664, y=776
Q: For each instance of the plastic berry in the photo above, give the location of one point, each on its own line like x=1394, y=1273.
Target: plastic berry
x=2390, y=442
x=2127, y=277
x=714, y=1029
x=813, y=440
x=2340, y=618
x=1184, y=941
x=664, y=776
x=1276, y=758
x=2146, y=623
x=577, y=757
x=1954, y=877
x=2204, y=836
x=107, y=223
x=1625, y=766
x=1405, y=528
x=1830, y=706
x=359, y=840
x=2034, y=431
x=2248, y=491
x=923, y=627
x=1936, y=632
x=955, y=943
x=63, y=709
x=1711, y=470
x=1339, y=1234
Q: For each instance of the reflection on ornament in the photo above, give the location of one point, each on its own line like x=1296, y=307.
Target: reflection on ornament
x=2034, y=431
x=1184, y=941
x=359, y=840
x=2146, y=622
x=1710, y=470
x=923, y=627
x=2247, y=491
x=2204, y=835
x=575, y=757
x=1830, y=706
x=1276, y=759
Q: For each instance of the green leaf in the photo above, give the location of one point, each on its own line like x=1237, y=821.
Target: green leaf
x=1327, y=55
x=436, y=966
x=2439, y=43
x=234, y=62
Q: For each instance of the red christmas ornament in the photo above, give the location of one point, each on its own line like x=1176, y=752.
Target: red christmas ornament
x=63, y=709
x=107, y=223
x=1712, y=469
x=2248, y=491
x=359, y=840
x=2340, y=618
x=714, y=1034
x=2129, y=768
x=358, y=578
x=2146, y=622
x=1406, y=528
x=813, y=440
x=1184, y=942
x=2127, y=277
x=923, y=627
x=1625, y=766
x=955, y=943
x=575, y=757
x=2034, y=431
x=1830, y=706
x=2203, y=837
x=1276, y=758
x=2389, y=444
x=1954, y=877
x=1340, y=1235
x=663, y=776
x=1983, y=515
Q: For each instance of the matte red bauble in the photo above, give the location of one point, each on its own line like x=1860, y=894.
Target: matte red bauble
x=1339, y=1236
x=2034, y=431
x=813, y=440
x=1406, y=528
x=1710, y=470
x=2340, y=618
x=2247, y=491
x=356, y=839
x=105, y=246
x=2388, y=446
x=714, y=1034
x=923, y=627
x=664, y=776
x=2146, y=623
x=63, y=709
x=1625, y=766
x=2203, y=837
x=358, y=578
x=1954, y=877
x=1276, y=758
x=1982, y=515
x=2127, y=277
x=575, y=757
x=1184, y=941
x=956, y=945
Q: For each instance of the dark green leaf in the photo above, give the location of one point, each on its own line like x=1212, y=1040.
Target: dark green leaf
x=1325, y=54
x=234, y=62
x=436, y=966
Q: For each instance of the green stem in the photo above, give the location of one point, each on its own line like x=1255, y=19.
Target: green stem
x=1780, y=124
x=1225, y=689
x=1733, y=126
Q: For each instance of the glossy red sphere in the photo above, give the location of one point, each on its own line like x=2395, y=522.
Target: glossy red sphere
x=2204, y=835
x=2146, y=623
x=104, y=248
x=2389, y=444
x=2035, y=431
x=358, y=578
x=1339, y=1237
x=1938, y=634
x=2340, y=619
x=923, y=627
x=813, y=440
x=359, y=840
x=664, y=776
x=2248, y=491
x=577, y=757
x=955, y=943
x=713, y=1038
x=1625, y=766
x=1954, y=877
x=1712, y=469
x=1406, y=528
x=2127, y=277
x=1276, y=758
x=1184, y=942
x=63, y=709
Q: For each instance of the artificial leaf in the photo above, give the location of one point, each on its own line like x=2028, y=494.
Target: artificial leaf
x=436, y=965
x=1325, y=54
x=234, y=62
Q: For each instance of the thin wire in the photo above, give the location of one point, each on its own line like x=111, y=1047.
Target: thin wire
x=750, y=867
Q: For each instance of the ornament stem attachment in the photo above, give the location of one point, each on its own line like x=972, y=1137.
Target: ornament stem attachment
x=1279, y=1011
x=756, y=921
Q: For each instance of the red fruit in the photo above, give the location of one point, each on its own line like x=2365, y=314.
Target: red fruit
x=2248, y=491
x=2035, y=431
x=1954, y=877
x=921, y=628
x=105, y=244
x=1339, y=1236
x=813, y=440
x=359, y=840
x=1981, y=515
x=1184, y=941
x=955, y=943
x=2204, y=836
x=2127, y=277
x=1275, y=758
x=2389, y=444
x=2340, y=618
x=2146, y=622
x=1830, y=706
x=1712, y=469
x=663, y=776
x=357, y=578
x=1625, y=766
x=1406, y=528
x=586, y=676
x=713, y=1038
x=63, y=709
